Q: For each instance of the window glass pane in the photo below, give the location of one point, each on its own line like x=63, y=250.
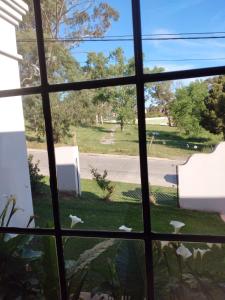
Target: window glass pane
x=96, y=145
x=29, y=267
x=188, y=270
x=24, y=182
x=185, y=154
x=84, y=40
x=109, y=268
x=172, y=42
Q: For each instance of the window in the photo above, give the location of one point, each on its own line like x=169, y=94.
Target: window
x=146, y=238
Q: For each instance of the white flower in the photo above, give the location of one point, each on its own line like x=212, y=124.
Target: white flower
x=75, y=220
x=201, y=251
x=187, y=146
x=195, y=147
x=125, y=228
x=164, y=244
x=177, y=225
x=183, y=251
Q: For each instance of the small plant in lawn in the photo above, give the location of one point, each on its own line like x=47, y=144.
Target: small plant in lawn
x=35, y=176
x=105, y=185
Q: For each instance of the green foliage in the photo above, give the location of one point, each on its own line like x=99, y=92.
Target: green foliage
x=130, y=266
x=73, y=20
x=18, y=279
x=213, y=117
x=198, y=275
x=126, y=272
x=187, y=107
x=105, y=185
x=77, y=271
x=162, y=94
x=49, y=278
x=35, y=176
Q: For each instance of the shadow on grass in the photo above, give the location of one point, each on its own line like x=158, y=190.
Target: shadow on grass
x=96, y=213
x=162, y=198
x=174, y=140
x=99, y=129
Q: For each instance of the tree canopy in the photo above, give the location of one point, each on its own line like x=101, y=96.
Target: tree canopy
x=187, y=106
x=213, y=117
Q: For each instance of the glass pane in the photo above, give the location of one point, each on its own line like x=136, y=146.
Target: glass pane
x=171, y=42
x=24, y=182
x=188, y=270
x=109, y=268
x=185, y=154
x=28, y=267
x=86, y=40
x=96, y=145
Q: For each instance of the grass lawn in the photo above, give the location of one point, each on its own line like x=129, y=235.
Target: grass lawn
x=124, y=209
x=169, y=143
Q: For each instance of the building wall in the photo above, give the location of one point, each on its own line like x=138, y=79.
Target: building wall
x=14, y=172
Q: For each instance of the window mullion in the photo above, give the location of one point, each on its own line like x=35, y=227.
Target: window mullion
x=50, y=147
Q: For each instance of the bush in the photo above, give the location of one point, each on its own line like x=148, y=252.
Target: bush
x=105, y=185
x=35, y=176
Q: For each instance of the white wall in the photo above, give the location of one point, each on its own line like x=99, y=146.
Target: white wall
x=14, y=173
x=202, y=181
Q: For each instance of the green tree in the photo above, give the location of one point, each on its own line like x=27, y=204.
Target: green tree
x=187, y=106
x=163, y=94
x=70, y=20
x=213, y=117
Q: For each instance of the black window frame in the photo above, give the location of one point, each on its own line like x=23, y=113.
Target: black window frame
x=139, y=80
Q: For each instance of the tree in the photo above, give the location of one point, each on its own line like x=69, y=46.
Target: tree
x=187, y=106
x=70, y=20
x=213, y=117
x=162, y=93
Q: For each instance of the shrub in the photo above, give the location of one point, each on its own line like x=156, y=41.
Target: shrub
x=105, y=185
x=35, y=176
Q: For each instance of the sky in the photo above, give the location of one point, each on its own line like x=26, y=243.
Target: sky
x=168, y=17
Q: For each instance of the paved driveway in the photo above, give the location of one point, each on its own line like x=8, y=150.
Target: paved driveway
x=120, y=167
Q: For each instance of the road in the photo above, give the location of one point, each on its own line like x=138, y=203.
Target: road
x=122, y=168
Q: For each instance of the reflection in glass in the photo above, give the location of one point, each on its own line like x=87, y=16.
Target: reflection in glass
x=188, y=270
x=105, y=268
x=28, y=267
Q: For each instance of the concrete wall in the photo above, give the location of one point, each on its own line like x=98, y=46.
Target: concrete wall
x=156, y=121
x=68, y=169
x=14, y=172
x=202, y=181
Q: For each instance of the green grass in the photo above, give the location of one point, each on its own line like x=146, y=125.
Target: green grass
x=170, y=143
x=124, y=209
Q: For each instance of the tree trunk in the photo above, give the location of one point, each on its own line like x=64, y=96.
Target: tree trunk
x=167, y=113
x=96, y=119
x=121, y=125
x=224, y=133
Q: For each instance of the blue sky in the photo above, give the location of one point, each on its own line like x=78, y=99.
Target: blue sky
x=168, y=17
